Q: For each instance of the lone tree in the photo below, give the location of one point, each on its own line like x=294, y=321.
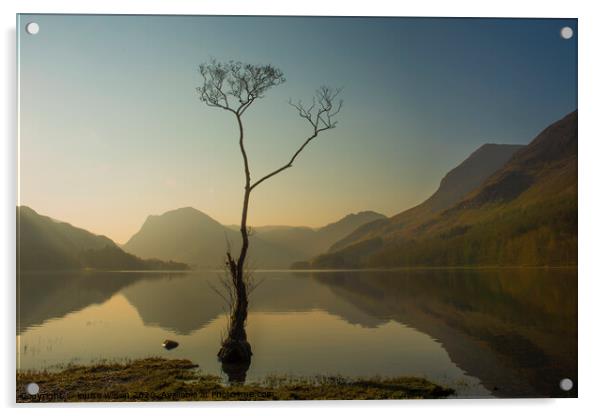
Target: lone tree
x=234, y=87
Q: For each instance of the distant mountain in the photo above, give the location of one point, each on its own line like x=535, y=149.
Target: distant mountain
x=469, y=174
x=524, y=213
x=44, y=243
x=180, y=234
x=337, y=230
x=188, y=235
x=309, y=242
x=454, y=186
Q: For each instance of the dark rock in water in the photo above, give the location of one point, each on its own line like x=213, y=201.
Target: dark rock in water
x=168, y=344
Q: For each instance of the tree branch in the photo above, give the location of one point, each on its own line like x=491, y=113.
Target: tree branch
x=321, y=119
x=224, y=82
x=289, y=164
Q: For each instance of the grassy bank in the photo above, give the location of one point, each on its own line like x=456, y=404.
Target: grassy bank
x=157, y=379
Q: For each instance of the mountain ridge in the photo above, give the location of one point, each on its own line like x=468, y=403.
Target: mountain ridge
x=454, y=186
x=187, y=234
x=523, y=214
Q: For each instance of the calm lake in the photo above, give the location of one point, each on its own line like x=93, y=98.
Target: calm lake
x=498, y=332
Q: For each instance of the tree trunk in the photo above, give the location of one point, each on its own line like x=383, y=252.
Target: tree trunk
x=235, y=348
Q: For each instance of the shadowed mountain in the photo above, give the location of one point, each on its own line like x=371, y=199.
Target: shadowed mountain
x=525, y=213
x=46, y=244
x=188, y=235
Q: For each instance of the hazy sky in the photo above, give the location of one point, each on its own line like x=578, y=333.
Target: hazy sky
x=112, y=130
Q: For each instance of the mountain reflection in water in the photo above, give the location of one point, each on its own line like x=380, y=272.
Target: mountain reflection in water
x=505, y=332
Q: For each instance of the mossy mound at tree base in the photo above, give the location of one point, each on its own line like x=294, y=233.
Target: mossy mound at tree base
x=158, y=379
x=235, y=352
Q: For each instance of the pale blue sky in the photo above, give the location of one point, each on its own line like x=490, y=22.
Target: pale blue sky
x=112, y=129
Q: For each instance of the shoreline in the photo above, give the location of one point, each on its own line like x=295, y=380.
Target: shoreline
x=159, y=379
x=323, y=270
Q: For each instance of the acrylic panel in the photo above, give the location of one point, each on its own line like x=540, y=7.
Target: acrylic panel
x=296, y=208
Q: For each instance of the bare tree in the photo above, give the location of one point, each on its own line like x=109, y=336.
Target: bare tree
x=234, y=87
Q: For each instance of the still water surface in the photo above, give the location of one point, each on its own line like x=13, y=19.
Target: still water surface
x=507, y=332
